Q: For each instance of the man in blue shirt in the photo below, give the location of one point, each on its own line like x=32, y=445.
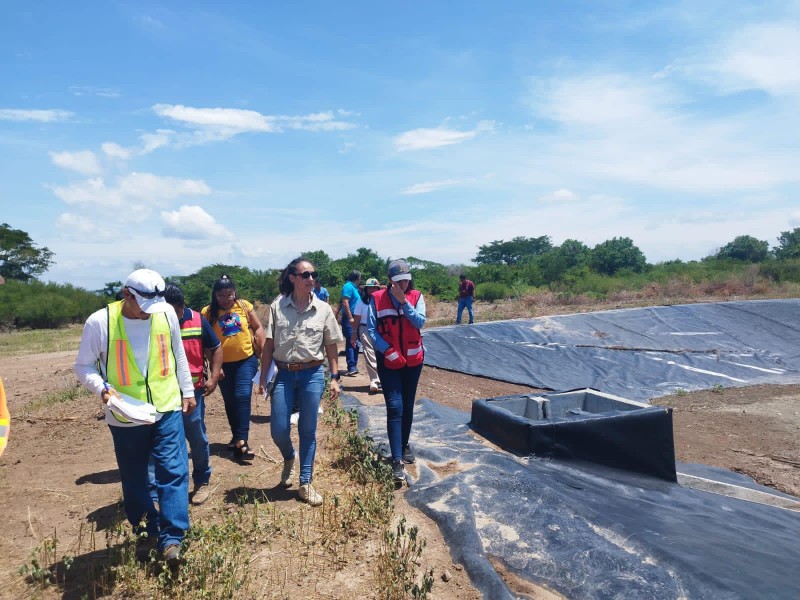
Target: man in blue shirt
x=350, y=299
x=320, y=292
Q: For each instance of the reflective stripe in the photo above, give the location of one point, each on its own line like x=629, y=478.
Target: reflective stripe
x=191, y=332
x=162, y=354
x=387, y=312
x=122, y=363
x=413, y=351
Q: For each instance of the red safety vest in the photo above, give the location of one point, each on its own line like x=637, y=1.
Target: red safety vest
x=192, y=336
x=398, y=331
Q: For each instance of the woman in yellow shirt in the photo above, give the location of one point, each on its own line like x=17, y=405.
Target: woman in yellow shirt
x=239, y=329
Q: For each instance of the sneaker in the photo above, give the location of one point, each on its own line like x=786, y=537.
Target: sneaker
x=408, y=456
x=287, y=473
x=172, y=556
x=201, y=493
x=398, y=471
x=352, y=373
x=309, y=494
x=374, y=388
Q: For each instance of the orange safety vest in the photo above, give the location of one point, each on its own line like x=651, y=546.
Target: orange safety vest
x=398, y=331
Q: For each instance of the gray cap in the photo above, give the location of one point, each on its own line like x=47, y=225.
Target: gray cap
x=398, y=270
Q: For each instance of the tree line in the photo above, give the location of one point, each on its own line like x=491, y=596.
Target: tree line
x=501, y=269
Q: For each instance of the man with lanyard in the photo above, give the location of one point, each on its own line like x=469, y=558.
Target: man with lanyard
x=199, y=342
x=350, y=300
x=466, y=293
x=132, y=351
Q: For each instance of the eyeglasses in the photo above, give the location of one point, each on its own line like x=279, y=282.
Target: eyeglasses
x=147, y=295
x=306, y=274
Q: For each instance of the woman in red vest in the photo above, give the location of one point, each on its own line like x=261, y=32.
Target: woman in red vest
x=396, y=316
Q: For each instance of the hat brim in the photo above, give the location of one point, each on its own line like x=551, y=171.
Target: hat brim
x=151, y=305
x=401, y=277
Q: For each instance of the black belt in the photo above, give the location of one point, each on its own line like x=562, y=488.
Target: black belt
x=284, y=366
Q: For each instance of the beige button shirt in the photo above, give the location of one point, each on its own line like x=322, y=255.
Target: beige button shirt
x=301, y=337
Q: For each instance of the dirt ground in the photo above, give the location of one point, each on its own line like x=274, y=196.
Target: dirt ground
x=59, y=470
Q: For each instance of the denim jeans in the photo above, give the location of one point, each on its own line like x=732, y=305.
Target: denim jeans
x=350, y=353
x=462, y=304
x=236, y=389
x=399, y=392
x=305, y=386
x=164, y=441
x=194, y=427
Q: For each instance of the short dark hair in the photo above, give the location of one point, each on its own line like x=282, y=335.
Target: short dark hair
x=354, y=275
x=174, y=295
x=462, y=276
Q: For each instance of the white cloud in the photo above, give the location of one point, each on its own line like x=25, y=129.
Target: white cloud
x=43, y=116
x=84, y=162
x=193, y=223
x=88, y=90
x=794, y=219
x=429, y=186
x=153, y=141
x=216, y=124
x=424, y=139
x=114, y=150
x=80, y=227
x=562, y=195
x=135, y=191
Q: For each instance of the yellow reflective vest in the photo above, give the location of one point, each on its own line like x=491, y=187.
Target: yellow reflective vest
x=160, y=387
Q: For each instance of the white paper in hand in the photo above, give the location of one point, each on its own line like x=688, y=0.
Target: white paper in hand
x=131, y=409
x=273, y=369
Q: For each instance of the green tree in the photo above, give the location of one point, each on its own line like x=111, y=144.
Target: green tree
x=745, y=248
x=513, y=251
x=616, y=254
x=556, y=262
x=20, y=259
x=788, y=244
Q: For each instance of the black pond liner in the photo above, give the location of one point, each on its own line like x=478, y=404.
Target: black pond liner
x=587, y=531
x=583, y=425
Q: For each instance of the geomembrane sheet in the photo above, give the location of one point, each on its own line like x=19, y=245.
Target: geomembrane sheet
x=638, y=353
x=586, y=531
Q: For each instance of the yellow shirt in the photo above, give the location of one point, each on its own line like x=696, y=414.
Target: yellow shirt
x=233, y=329
x=301, y=337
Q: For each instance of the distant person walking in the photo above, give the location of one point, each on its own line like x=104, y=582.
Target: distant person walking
x=200, y=343
x=133, y=347
x=321, y=292
x=466, y=294
x=349, y=303
x=360, y=334
x=238, y=327
x=301, y=333
x=396, y=316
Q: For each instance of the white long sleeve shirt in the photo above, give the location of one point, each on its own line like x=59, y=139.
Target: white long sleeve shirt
x=91, y=361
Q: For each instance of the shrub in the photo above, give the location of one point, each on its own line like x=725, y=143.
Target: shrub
x=489, y=291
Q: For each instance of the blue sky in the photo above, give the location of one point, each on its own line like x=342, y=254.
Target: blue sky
x=186, y=133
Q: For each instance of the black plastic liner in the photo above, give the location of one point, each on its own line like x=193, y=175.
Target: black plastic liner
x=629, y=436
x=635, y=353
x=590, y=532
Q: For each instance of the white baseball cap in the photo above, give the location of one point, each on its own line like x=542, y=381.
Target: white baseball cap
x=148, y=288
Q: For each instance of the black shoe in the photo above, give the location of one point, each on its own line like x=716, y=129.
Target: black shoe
x=242, y=451
x=408, y=456
x=352, y=373
x=398, y=471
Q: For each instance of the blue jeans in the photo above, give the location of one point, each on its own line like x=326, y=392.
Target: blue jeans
x=462, y=304
x=236, y=389
x=194, y=427
x=399, y=392
x=164, y=441
x=350, y=353
x=306, y=387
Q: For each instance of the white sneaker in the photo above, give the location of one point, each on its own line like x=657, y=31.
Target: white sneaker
x=309, y=494
x=287, y=473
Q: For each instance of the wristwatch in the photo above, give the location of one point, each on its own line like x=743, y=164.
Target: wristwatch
x=335, y=376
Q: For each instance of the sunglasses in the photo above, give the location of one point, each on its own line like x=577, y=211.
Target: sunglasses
x=146, y=295
x=306, y=274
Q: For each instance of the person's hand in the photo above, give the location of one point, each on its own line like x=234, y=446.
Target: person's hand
x=398, y=294
x=106, y=394
x=335, y=389
x=393, y=359
x=210, y=386
x=189, y=404
x=354, y=340
x=352, y=319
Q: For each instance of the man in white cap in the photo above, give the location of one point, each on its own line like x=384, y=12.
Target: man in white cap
x=133, y=349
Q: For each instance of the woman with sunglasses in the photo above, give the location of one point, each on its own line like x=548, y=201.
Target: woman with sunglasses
x=395, y=318
x=301, y=333
x=237, y=325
